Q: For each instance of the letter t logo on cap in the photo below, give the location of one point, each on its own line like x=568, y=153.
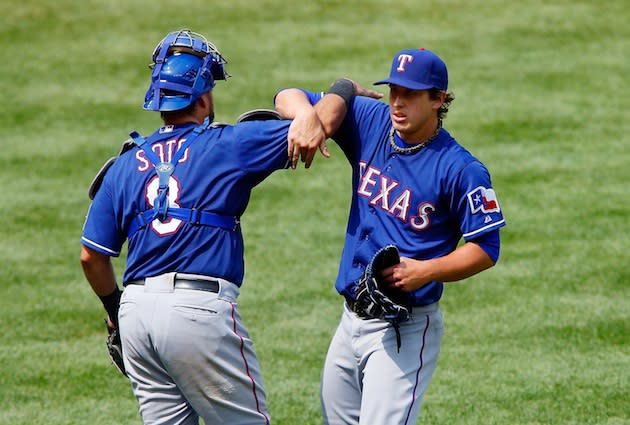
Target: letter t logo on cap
x=402, y=61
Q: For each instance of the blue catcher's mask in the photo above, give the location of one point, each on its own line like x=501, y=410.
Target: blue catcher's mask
x=185, y=66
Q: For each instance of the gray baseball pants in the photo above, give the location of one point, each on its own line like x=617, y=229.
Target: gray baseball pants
x=188, y=354
x=366, y=381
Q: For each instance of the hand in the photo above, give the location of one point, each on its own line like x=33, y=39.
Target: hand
x=306, y=135
x=110, y=323
x=114, y=347
x=408, y=275
x=359, y=90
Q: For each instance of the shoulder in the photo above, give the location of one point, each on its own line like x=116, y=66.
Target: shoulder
x=364, y=105
x=466, y=172
x=113, y=162
x=453, y=152
x=454, y=163
x=260, y=129
x=365, y=118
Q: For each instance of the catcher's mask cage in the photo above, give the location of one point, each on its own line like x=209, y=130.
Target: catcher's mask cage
x=185, y=66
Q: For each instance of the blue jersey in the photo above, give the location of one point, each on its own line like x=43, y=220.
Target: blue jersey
x=216, y=174
x=423, y=202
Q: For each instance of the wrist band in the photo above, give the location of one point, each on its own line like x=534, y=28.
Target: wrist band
x=111, y=303
x=343, y=88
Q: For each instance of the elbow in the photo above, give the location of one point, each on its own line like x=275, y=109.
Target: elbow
x=490, y=261
x=89, y=257
x=282, y=101
x=85, y=256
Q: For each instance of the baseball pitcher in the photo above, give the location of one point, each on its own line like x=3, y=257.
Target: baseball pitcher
x=416, y=194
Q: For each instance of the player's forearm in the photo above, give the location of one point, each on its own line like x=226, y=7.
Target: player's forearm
x=467, y=260
x=99, y=272
x=331, y=109
x=289, y=103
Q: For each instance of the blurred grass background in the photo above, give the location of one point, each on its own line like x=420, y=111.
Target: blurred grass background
x=541, y=98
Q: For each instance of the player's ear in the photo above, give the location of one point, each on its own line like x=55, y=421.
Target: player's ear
x=204, y=100
x=439, y=97
x=205, y=104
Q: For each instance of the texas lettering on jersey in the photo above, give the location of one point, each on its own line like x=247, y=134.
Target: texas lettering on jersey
x=384, y=192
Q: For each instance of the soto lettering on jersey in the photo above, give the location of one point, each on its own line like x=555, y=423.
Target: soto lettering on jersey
x=164, y=150
x=382, y=191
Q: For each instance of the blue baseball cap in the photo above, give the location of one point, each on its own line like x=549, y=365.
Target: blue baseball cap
x=417, y=69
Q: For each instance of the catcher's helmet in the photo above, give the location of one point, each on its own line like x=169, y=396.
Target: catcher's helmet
x=185, y=66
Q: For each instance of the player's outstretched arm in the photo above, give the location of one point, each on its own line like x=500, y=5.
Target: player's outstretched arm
x=288, y=102
x=306, y=133
x=327, y=116
x=331, y=109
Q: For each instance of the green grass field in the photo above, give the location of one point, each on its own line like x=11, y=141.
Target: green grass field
x=542, y=99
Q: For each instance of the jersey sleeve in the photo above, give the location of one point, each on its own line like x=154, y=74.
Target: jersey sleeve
x=475, y=202
x=490, y=242
x=100, y=231
x=262, y=145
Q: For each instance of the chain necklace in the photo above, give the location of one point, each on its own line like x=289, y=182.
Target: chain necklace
x=415, y=148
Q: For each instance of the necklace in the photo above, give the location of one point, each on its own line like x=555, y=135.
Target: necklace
x=415, y=148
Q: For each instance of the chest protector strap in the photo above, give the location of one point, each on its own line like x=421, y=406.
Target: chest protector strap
x=161, y=210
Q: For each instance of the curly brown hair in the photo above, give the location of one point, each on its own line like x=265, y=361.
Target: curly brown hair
x=450, y=97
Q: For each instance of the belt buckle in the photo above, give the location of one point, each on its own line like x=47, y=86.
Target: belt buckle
x=194, y=217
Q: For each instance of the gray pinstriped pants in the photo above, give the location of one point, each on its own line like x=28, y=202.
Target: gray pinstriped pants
x=188, y=355
x=366, y=381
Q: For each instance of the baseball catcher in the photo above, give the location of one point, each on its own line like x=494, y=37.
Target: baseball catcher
x=176, y=196
x=374, y=300
x=114, y=345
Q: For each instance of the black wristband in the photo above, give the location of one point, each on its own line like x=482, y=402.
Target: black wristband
x=111, y=303
x=343, y=88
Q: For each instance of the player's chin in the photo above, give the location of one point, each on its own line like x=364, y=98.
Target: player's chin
x=400, y=125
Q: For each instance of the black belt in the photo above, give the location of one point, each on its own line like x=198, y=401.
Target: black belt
x=195, y=284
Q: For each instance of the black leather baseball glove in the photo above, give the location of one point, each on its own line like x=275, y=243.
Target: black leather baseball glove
x=374, y=300
x=114, y=348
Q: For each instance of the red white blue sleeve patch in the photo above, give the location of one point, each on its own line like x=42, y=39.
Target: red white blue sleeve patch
x=484, y=200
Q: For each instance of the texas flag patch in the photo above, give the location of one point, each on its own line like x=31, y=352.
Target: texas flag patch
x=484, y=200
